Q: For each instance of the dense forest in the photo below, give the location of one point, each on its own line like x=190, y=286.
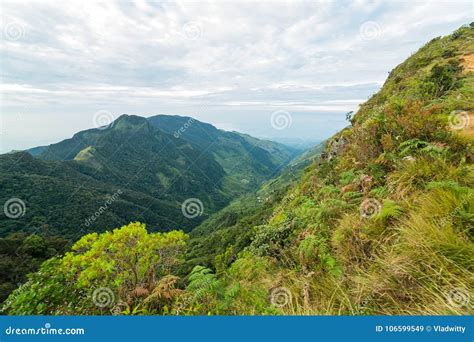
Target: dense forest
x=147, y=167
x=379, y=220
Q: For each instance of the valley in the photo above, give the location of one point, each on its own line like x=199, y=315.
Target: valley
x=378, y=220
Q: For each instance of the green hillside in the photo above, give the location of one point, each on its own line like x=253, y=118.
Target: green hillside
x=155, y=171
x=228, y=229
x=247, y=161
x=382, y=223
x=136, y=169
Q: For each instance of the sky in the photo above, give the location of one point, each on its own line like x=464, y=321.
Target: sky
x=286, y=70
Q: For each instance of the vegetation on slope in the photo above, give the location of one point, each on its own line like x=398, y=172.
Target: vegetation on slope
x=129, y=262
x=228, y=230
x=135, y=169
x=22, y=253
x=156, y=171
x=382, y=223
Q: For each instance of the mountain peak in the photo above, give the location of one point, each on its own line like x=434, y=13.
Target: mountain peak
x=127, y=119
x=126, y=122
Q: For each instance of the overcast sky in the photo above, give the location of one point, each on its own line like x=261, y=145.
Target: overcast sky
x=270, y=69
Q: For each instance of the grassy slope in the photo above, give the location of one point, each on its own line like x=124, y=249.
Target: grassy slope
x=383, y=223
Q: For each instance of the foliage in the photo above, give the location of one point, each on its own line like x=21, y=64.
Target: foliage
x=67, y=183
x=21, y=254
x=312, y=243
x=131, y=263
x=442, y=78
x=136, y=168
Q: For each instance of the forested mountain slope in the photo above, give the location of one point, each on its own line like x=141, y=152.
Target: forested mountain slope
x=155, y=164
x=382, y=223
x=135, y=169
x=228, y=229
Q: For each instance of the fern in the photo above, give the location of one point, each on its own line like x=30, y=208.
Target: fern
x=390, y=210
x=203, y=283
x=347, y=177
x=448, y=185
x=308, y=248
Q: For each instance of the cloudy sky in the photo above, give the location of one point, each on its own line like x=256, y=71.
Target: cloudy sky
x=70, y=65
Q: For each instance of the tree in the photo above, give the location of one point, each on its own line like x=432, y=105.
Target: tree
x=118, y=268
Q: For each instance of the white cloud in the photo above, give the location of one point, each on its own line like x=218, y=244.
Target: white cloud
x=214, y=59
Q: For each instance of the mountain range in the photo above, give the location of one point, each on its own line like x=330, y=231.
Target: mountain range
x=378, y=220
x=148, y=167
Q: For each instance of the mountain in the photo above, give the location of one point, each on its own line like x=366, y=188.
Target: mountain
x=380, y=223
x=146, y=167
x=229, y=227
x=247, y=161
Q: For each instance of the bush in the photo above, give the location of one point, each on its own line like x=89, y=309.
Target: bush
x=125, y=266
